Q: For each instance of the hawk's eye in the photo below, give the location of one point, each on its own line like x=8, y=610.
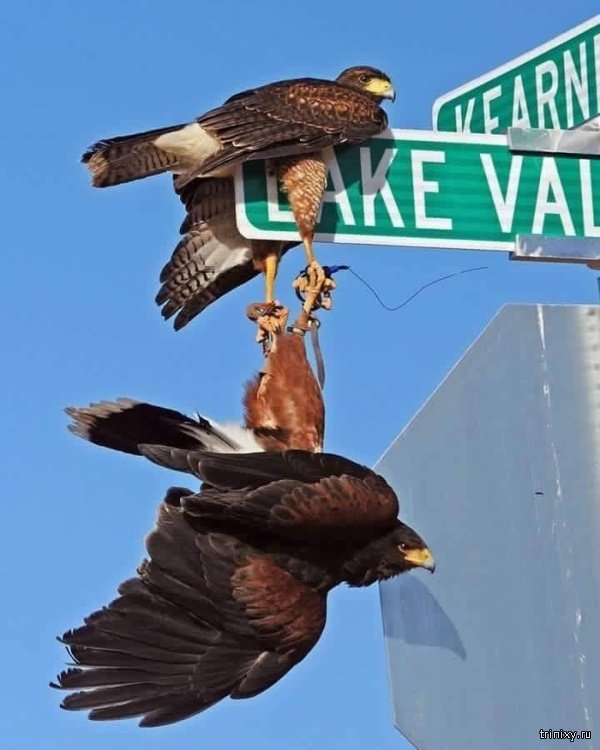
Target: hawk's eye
x=364, y=78
x=402, y=546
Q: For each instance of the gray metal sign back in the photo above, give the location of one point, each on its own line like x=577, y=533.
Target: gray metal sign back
x=500, y=471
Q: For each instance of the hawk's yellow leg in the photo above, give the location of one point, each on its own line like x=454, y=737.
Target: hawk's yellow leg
x=316, y=276
x=271, y=265
x=308, y=248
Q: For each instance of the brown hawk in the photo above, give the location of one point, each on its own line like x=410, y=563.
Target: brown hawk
x=289, y=123
x=234, y=591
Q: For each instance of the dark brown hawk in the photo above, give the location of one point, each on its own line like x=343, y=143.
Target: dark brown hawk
x=289, y=123
x=283, y=409
x=234, y=592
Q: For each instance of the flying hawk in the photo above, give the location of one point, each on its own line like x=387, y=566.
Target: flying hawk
x=283, y=410
x=234, y=592
x=289, y=123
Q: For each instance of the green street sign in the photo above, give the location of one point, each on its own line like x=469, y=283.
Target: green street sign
x=421, y=188
x=556, y=85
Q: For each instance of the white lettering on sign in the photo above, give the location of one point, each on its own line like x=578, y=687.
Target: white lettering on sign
x=421, y=186
x=274, y=210
x=338, y=195
x=576, y=84
x=546, y=96
x=546, y=205
x=490, y=123
x=520, y=112
x=375, y=183
x=503, y=204
x=464, y=126
x=590, y=229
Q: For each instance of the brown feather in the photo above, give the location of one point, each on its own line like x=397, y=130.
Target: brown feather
x=283, y=403
x=212, y=258
x=303, y=179
x=289, y=118
x=128, y=157
x=335, y=507
x=207, y=617
x=288, y=615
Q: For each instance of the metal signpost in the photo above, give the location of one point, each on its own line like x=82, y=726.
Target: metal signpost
x=555, y=86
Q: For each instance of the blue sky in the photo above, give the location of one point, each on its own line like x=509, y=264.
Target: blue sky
x=79, y=324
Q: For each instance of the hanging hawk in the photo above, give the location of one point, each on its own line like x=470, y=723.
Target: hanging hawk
x=289, y=123
x=283, y=410
x=234, y=591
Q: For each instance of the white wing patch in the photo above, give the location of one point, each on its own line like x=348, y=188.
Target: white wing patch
x=192, y=144
x=225, y=438
x=242, y=436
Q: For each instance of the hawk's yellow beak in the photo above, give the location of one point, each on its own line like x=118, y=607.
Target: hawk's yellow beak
x=422, y=558
x=381, y=87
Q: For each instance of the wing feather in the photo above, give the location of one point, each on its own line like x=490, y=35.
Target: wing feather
x=252, y=470
x=212, y=258
x=289, y=118
x=334, y=508
x=208, y=616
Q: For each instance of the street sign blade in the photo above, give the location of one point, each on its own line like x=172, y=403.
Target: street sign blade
x=556, y=85
x=429, y=189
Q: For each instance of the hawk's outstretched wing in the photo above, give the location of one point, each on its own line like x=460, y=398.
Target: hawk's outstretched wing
x=207, y=617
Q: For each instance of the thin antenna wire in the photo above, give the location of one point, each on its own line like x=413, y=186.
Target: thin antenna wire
x=419, y=290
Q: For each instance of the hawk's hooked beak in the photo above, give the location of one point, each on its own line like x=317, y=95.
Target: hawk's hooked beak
x=422, y=558
x=381, y=87
x=390, y=94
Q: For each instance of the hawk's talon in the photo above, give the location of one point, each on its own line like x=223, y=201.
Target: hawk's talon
x=270, y=317
x=255, y=310
x=313, y=287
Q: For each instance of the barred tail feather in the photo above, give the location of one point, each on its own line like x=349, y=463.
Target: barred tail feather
x=125, y=424
x=129, y=157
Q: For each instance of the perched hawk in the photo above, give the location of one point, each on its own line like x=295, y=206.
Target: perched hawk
x=289, y=123
x=283, y=410
x=234, y=592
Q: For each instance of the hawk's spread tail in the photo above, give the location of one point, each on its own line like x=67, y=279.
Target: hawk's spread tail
x=125, y=424
x=129, y=157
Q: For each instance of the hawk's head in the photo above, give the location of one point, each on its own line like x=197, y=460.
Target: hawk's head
x=371, y=80
x=389, y=555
